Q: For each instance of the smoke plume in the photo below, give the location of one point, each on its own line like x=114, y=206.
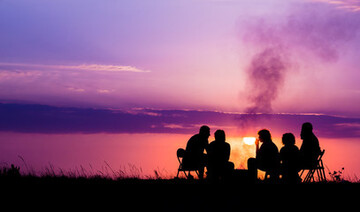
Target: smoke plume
x=266, y=74
x=310, y=33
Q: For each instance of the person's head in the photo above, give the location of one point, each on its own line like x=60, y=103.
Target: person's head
x=219, y=135
x=288, y=139
x=264, y=135
x=204, y=131
x=306, y=129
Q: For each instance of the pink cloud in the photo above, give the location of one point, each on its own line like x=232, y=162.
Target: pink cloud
x=82, y=67
x=349, y=5
x=7, y=74
x=76, y=89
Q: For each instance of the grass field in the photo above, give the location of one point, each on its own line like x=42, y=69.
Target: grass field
x=51, y=192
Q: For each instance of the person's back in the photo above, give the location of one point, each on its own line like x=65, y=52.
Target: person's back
x=218, y=153
x=310, y=148
x=218, y=157
x=268, y=156
x=289, y=157
x=195, y=147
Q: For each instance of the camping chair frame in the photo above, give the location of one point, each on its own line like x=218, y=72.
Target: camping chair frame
x=180, y=156
x=319, y=168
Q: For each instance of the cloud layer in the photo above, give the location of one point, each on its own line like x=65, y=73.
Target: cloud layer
x=32, y=118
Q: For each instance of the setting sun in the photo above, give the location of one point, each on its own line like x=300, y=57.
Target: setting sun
x=249, y=140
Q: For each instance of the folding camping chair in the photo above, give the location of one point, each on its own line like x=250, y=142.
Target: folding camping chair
x=318, y=168
x=180, y=156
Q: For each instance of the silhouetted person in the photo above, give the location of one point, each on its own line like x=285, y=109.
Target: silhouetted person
x=219, y=166
x=267, y=157
x=290, y=159
x=310, y=148
x=195, y=157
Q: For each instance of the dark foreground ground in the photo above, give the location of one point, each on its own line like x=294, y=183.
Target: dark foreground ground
x=57, y=193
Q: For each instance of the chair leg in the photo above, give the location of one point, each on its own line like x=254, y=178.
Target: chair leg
x=181, y=171
x=312, y=175
x=318, y=175
x=189, y=176
x=302, y=172
x=197, y=173
x=309, y=176
x=321, y=174
x=306, y=179
x=322, y=171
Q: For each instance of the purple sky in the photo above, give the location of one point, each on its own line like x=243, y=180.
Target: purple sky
x=181, y=54
x=82, y=81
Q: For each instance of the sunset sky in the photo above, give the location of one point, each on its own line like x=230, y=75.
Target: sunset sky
x=188, y=54
x=161, y=66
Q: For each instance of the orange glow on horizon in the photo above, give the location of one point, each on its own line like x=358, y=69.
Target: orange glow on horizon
x=241, y=151
x=147, y=152
x=249, y=140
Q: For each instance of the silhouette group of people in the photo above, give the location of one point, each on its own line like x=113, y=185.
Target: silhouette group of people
x=285, y=163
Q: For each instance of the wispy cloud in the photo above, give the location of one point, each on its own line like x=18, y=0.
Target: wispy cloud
x=6, y=74
x=350, y=5
x=76, y=89
x=103, y=91
x=82, y=67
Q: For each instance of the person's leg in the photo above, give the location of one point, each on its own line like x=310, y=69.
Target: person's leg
x=230, y=166
x=202, y=164
x=274, y=175
x=252, y=169
x=201, y=173
x=229, y=170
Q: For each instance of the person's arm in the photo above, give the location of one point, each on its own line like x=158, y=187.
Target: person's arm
x=206, y=146
x=228, y=152
x=257, y=144
x=281, y=154
x=317, y=145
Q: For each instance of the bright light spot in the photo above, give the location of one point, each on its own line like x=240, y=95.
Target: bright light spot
x=249, y=140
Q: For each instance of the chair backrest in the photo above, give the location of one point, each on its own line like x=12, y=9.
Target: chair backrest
x=321, y=154
x=180, y=153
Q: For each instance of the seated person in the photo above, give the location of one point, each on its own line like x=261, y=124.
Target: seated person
x=290, y=159
x=219, y=166
x=267, y=157
x=194, y=157
x=310, y=148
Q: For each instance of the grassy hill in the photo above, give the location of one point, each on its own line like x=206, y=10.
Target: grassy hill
x=64, y=193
